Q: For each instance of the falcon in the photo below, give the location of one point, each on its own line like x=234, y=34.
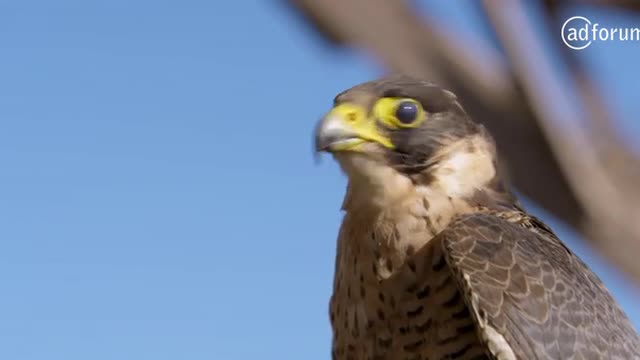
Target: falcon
x=436, y=259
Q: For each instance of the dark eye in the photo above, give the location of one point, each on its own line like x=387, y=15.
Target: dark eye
x=407, y=112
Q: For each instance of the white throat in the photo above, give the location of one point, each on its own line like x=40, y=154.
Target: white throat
x=462, y=168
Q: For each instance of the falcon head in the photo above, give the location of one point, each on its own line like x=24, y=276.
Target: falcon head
x=393, y=135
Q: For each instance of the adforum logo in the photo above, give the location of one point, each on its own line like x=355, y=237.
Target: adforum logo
x=578, y=33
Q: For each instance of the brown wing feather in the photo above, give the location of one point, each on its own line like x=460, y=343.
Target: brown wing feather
x=544, y=301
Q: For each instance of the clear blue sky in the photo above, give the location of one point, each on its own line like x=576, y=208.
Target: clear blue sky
x=158, y=198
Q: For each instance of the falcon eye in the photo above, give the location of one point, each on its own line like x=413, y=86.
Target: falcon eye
x=395, y=112
x=407, y=112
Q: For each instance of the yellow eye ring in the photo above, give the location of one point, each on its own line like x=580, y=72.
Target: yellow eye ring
x=399, y=112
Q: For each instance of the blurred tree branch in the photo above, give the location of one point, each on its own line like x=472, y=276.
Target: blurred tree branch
x=586, y=177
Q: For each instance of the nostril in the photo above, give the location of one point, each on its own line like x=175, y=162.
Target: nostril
x=352, y=116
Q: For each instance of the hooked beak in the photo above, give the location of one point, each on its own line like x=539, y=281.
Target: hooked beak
x=346, y=128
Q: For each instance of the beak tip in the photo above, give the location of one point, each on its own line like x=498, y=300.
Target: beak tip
x=319, y=146
x=333, y=133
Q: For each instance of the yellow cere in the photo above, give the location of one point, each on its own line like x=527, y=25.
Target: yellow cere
x=385, y=110
x=355, y=117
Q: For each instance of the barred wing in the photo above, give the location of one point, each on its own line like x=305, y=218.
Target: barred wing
x=531, y=297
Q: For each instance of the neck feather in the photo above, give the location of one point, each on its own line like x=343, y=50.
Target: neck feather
x=405, y=212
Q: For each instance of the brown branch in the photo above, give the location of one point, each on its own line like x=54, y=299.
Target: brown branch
x=621, y=162
x=511, y=107
x=611, y=214
x=628, y=5
x=632, y=5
